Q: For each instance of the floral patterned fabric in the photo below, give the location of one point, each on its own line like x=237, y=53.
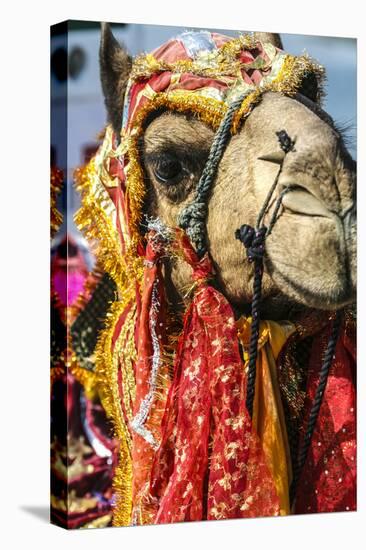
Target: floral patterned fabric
x=210, y=463
x=328, y=482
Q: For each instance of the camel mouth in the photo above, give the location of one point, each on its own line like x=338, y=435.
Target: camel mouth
x=299, y=200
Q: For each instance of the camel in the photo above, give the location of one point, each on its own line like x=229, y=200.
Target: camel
x=284, y=163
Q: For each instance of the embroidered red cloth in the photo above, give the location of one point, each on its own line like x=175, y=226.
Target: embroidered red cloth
x=328, y=482
x=210, y=464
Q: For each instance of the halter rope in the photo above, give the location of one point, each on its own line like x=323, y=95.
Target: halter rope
x=193, y=217
x=314, y=412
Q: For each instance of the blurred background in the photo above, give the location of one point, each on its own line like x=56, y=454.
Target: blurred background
x=86, y=114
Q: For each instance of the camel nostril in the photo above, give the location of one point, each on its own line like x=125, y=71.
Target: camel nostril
x=282, y=186
x=349, y=220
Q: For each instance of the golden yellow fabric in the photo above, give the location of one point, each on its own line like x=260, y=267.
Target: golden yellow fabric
x=268, y=415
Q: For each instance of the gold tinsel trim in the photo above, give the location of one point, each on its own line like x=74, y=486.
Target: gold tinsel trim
x=292, y=73
x=231, y=49
x=95, y=218
x=86, y=378
x=125, y=349
x=287, y=82
x=107, y=365
x=207, y=109
x=92, y=219
x=221, y=62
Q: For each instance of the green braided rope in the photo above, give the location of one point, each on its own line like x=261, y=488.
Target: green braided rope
x=193, y=217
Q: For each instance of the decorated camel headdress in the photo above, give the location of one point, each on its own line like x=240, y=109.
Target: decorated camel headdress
x=172, y=408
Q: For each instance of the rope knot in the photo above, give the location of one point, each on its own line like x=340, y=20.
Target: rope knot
x=192, y=220
x=253, y=240
x=192, y=213
x=245, y=234
x=286, y=143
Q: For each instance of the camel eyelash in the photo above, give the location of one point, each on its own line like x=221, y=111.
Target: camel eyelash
x=191, y=158
x=170, y=168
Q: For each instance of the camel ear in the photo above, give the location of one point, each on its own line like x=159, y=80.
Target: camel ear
x=115, y=66
x=272, y=38
x=309, y=86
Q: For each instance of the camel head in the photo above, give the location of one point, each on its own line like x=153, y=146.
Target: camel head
x=310, y=258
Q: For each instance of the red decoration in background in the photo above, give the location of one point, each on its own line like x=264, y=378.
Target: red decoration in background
x=83, y=450
x=328, y=483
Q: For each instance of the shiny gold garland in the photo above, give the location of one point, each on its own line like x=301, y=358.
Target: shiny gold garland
x=223, y=60
x=107, y=366
x=293, y=71
x=126, y=350
x=93, y=220
x=85, y=377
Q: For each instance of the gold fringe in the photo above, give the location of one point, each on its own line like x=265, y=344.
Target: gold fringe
x=287, y=82
x=107, y=364
x=231, y=49
x=93, y=219
x=207, y=109
x=126, y=351
x=292, y=73
x=221, y=62
x=96, y=219
x=86, y=378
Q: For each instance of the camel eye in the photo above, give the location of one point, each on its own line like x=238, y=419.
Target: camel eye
x=168, y=169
